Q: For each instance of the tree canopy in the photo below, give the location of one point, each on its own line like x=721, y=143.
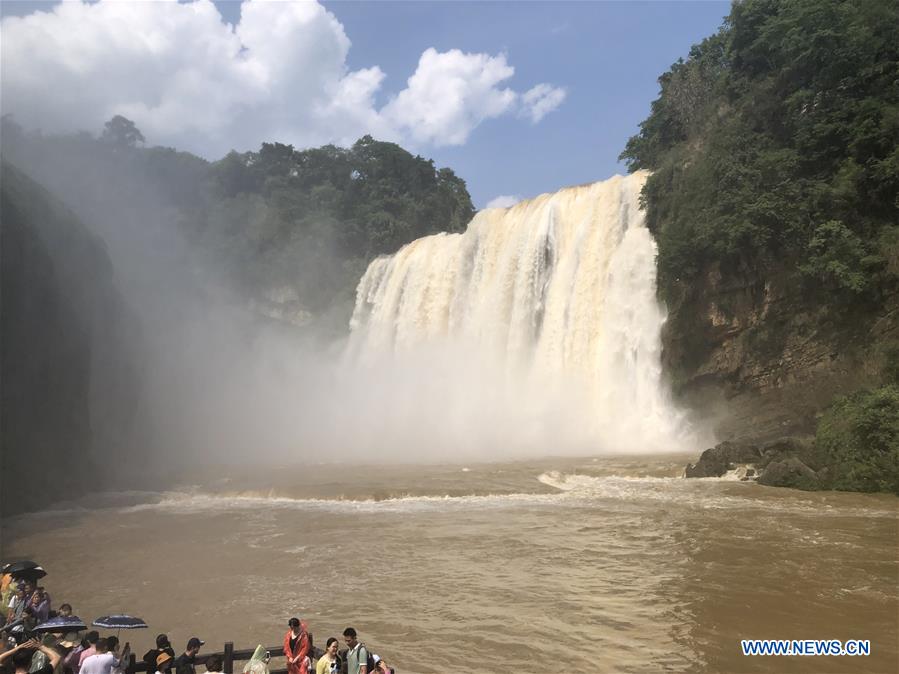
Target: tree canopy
x=779, y=137
x=121, y=132
x=309, y=219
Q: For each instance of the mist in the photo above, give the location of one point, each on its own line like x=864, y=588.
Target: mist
x=226, y=376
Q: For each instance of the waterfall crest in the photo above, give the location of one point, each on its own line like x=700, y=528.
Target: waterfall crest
x=545, y=311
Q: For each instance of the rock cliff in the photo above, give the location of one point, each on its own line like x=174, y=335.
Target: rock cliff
x=760, y=355
x=68, y=386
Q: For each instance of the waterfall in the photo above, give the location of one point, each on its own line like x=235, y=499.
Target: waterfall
x=542, y=316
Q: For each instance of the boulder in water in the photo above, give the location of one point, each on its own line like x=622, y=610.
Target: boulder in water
x=789, y=472
x=723, y=457
x=787, y=462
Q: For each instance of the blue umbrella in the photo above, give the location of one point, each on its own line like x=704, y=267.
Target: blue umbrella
x=71, y=623
x=119, y=622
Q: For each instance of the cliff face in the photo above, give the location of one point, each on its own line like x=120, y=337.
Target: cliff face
x=756, y=353
x=67, y=386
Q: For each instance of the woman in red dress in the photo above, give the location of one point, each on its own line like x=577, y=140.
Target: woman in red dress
x=296, y=647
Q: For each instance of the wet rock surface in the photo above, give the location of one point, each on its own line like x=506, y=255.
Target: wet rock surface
x=789, y=472
x=787, y=462
x=750, y=344
x=722, y=458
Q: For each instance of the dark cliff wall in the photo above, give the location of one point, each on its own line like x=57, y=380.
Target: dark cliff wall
x=65, y=378
x=762, y=357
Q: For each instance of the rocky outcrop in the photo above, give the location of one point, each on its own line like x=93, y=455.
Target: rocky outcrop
x=723, y=458
x=758, y=355
x=789, y=472
x=788, y=462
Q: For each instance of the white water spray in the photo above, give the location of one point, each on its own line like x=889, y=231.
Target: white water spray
x=545, y=312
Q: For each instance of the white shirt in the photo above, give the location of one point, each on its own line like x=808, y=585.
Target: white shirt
x=102, y=663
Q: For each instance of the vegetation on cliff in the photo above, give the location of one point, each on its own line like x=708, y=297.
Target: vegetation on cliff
x=308, y=220
x=774, y=198
x=779, y=138
x=858, y=437
x=268, y=210
x=855, y=448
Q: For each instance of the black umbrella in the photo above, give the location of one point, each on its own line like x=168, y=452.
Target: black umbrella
x=119, y=622
x=16, y=568
x=30, y=574
x=26, y=569
x=71, y=623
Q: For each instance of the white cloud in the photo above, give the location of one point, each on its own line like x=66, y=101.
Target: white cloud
x=542, y=100
x=190, y=80
x=503, y=201
x=450, y=94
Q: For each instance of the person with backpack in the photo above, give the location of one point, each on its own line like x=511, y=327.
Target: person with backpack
x=151, y=657
x=358, y=659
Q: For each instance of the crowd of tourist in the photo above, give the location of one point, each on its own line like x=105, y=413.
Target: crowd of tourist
x=27, y=648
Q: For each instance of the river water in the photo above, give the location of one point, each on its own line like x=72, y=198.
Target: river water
x=574, y=565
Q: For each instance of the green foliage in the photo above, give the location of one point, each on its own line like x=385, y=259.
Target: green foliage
x=859, y=439
x=838, y=255
x=318, y=216
x=378, y=196
x=778, y=136
x=310, y=220
x=121, y=132
x=890, y=372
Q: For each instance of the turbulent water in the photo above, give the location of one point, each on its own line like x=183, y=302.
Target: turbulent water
x=579, y=565
x=549, y=306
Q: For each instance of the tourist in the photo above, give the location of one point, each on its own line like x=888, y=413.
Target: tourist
x=39, y=660
x=296, y=647
x=16, y=608
x=65, y=611
x=73, y=659
x=214, y=663
x=102, y=661
x=356, y=655
x=92, y=638
x=122, y=660
x=258, y=663
x=7, y=588
x=162, y=646
x=329, y=663
x=5, y=646
x=39, y=606
x=22, y=654
x=164, y=662
x=67, y=644
x=186, y=662
x=381, y=667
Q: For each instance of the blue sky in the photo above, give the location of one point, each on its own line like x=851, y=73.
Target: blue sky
x=606, y=56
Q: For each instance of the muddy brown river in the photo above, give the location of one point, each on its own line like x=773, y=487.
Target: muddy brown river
x=562, y=565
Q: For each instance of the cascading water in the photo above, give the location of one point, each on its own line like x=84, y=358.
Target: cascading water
x=545, y=313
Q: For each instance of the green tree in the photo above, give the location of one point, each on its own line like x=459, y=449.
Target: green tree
x=859, y=438
x=779, y=137
x=121, y=132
